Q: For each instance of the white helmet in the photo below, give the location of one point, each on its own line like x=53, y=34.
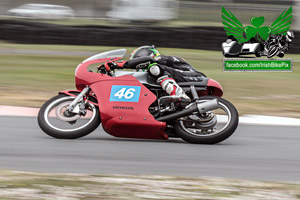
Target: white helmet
x=289, y=36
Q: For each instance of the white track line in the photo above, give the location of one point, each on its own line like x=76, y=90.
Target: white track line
x=269, y=120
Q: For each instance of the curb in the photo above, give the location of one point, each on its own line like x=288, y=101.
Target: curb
x=18, y=111
x=245, y=119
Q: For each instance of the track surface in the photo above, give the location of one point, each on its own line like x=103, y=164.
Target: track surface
x=253, y=152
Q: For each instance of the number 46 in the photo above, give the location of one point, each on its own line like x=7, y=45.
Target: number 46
x=127, y=94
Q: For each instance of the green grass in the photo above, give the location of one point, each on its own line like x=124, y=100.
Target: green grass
x=30, y=79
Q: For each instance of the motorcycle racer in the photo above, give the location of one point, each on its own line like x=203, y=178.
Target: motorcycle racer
x=131, y=104
x=277, y=44
x=165, y=70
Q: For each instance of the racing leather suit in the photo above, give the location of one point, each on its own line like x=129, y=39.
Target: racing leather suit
x=166, y=70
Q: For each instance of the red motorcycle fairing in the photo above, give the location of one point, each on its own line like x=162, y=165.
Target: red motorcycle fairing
x=214, y=88
x=127, y=119
x=121, y=118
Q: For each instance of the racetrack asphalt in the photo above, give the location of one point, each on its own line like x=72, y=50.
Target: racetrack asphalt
x=254, y=152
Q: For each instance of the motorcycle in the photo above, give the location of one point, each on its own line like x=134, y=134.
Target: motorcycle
x=131, y=104
x=276, y=45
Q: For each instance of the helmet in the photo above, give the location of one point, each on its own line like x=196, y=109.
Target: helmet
x=289, y=36
x=145, y=51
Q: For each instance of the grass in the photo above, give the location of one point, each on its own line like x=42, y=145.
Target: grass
x=28, y=79
x=22, y=185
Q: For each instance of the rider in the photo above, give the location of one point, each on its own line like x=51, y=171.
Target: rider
x=166, y=70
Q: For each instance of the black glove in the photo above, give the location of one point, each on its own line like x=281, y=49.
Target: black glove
x=112, y=65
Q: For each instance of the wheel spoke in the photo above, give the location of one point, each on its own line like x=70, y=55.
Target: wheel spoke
x=56, y=118
x=209, y=124
x=55, y=122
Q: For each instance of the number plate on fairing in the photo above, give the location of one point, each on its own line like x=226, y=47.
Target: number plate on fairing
x=125, y=93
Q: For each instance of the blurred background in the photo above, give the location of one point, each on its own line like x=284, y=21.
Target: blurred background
x=42, y=41
x=181, y=12
x=188, y=11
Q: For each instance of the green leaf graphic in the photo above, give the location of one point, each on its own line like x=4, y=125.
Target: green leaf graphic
x=264, y=32
x=257, y=21
x=250, y=32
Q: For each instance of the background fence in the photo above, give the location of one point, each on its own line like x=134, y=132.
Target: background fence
x=209, y=38
x=197, y=26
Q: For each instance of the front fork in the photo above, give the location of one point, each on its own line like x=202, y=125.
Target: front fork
x=78, y=106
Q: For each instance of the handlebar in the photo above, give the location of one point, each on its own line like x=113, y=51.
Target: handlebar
x=134, y=62
x=130, y=64
x=107, y=67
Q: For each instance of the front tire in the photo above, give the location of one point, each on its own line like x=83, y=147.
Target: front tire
x=192, y=136
x=57, y=127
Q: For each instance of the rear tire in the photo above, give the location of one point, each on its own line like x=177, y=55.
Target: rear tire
x=213, y=138
x=55, y=132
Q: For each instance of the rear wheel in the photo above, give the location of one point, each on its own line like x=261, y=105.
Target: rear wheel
x=211, y=127
x=54, y=121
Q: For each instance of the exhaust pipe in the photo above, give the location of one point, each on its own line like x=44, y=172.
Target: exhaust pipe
x=208, y=106
x=200, y=107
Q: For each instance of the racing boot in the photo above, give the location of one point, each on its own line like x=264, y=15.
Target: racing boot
x=170, y=86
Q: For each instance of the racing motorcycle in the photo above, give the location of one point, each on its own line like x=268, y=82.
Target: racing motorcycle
x=131, y=104
x=277, y=44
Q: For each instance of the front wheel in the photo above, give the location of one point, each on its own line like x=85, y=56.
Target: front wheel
x=211, y=127
x=54, y=122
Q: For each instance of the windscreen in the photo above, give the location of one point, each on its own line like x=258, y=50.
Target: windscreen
x=108, y=54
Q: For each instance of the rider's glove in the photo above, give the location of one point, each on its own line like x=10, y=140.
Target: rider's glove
x=114, y=65
x=109, y=66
